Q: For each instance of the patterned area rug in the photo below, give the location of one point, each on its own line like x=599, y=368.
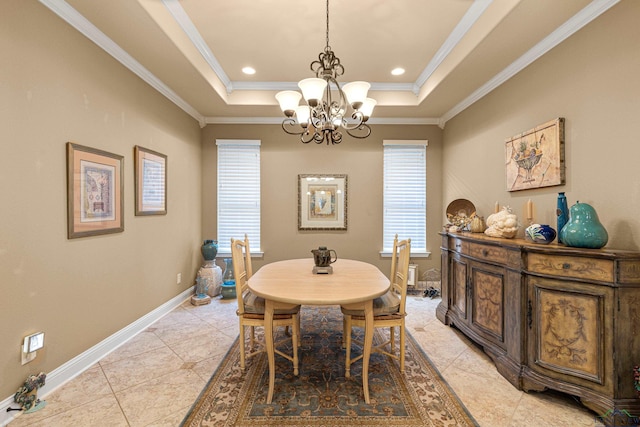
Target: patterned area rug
x=321, y=395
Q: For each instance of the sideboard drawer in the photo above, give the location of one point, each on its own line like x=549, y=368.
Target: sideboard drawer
x=488, y=253
x=570, y=266
x=458, y=245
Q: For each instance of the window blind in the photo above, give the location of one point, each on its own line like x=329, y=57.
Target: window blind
x=238, y=192
x=405, y=195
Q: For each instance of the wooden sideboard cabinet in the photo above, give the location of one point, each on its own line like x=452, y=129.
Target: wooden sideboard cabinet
x=549, y=316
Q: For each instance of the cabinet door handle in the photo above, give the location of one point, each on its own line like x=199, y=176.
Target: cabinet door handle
x=566, y=266
x=458, y=245
x=485, y=252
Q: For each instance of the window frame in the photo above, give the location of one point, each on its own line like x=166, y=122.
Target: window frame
x=251, y=172
x=417, y=251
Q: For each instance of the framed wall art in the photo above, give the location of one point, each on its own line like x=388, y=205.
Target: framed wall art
x=150, y=182
x=322, y=202
x=95, y=188
x=535, y=158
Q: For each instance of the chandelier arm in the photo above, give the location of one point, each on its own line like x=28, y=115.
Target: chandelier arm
x=362, y=128
x=291, y=123
x=307, y=137
x=336, y=137
x=359, y=121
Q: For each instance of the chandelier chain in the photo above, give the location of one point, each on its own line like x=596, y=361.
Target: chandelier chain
x=328, y=25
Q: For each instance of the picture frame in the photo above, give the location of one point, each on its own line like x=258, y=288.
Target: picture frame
x=535, y=158
x=150, y=169
x=95, y=192
x=322, y=202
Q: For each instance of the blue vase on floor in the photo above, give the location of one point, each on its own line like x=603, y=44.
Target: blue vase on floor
x=228, y=280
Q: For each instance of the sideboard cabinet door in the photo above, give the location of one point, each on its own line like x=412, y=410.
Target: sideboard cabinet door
x=571, y=332
x=487, y=291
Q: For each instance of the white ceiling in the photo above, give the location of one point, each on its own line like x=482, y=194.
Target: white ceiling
x=454, y=51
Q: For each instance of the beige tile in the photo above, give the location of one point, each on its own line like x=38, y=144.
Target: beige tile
x=202, y=347
x=442, y=344
x=187, y=328
x=172, y=420
x=205, y=368
x=550, y=409
x=89, y=386
x=492, y=403
x=160, y=397
x=141, y=343
x=159, y=374
x=138, y=369
x=104, y=412
x=179, y=316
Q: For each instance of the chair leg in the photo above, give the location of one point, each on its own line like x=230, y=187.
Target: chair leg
x=241, y=343
x=347, y=343
x=344, y=331
x=295, y=337
x=402, y=346
x=392, y=339
x=253, y=336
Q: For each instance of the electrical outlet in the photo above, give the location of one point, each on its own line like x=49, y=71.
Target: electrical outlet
x=179, y=278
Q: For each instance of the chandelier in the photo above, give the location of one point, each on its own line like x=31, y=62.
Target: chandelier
x=328, y=108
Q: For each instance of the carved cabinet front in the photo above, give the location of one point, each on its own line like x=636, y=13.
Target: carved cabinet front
x=570, y=330
x=549, y=316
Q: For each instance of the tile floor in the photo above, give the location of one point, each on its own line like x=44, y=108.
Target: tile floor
x=154, y=378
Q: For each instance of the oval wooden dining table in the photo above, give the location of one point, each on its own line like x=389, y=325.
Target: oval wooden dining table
x=354, y=284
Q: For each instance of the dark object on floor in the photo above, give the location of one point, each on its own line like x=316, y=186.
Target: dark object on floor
x=431, y=292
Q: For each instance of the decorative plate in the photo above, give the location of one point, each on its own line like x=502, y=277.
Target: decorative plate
x=459, y=207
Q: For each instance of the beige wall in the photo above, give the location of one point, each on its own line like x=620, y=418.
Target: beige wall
x=57, y=86
x=63, y=88
x=283, y=157
x=592, y=80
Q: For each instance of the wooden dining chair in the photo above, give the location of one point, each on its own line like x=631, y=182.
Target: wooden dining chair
x=251, y=308
x=389, y=310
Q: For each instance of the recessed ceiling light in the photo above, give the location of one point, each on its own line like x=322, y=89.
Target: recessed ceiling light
x=397, y=71
x=249, y=70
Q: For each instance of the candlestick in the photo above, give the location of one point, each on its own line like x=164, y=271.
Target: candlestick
x=529, y=210
x=497, y=209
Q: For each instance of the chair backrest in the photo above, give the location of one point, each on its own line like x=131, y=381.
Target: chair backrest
x=400, y=269
x=242, y=270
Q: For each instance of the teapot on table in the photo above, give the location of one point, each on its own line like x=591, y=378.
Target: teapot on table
x=323, y=257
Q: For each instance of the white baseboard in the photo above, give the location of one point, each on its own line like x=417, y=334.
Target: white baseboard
x=82, y=362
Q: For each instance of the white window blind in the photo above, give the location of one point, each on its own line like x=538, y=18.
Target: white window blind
x=238, y=192
x=405, y=194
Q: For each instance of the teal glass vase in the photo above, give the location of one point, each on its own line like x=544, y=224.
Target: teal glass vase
x=228, y=280
x=209, y=250
x=584, y=229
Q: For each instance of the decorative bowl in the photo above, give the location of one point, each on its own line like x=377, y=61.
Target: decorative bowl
x=540, y=233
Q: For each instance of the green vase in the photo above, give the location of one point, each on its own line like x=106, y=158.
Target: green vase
x=584, y=229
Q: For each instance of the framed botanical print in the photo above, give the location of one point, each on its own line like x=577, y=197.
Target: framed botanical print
x=322, y=202
x=150, y=182
x=95, y=188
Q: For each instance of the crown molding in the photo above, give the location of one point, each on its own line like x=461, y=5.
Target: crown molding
x=278, y=121
x=86, y=28
x=181, y=17
x=470, y=17
x=575, y=23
